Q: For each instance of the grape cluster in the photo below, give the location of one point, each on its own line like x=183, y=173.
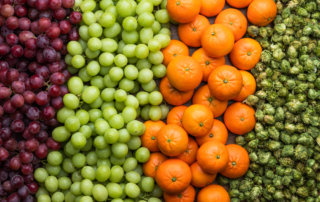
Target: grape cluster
x=32, y=77
x=115, y=64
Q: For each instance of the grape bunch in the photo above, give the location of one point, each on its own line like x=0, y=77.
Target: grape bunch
x=115, y=65
x=32, y=77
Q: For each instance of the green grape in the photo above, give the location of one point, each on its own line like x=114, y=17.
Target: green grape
x=124, y=135
x=79, y=160
x=40, y=175
x=117, y=173
x=144, y=6
x=60, y=134
x=136, y=128
x=57, y=197
x=146, y=19
x=129, y=23
x=88, y=18
x=55, y=158
x=78, y=140
x=114, y=190
x=103, y=173
x=146, y=34
x=51, y=183
x=132, y=190
x=142, y=155
x=75, y=85
x=112, y=31
x=129, y=114
x=70, y=101
x=133, y=176
x=134, y=143
x=130, y=164
x=107, y=20
x=87, y=5
x=86, y=187
x=90, y=94
x=99, y=192
x=94, y=44
x=156, y=58
x=111, y=136
x=147, y=184
x=119, y=150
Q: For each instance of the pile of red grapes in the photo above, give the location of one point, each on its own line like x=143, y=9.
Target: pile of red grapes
x=33, y=38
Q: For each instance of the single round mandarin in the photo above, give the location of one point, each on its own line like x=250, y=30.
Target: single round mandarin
x=149, y=138
x=188, y=195
x=184, y=73
x=183, y=11
x=238, y=163
x=246, y=54
x=203, y=96
x=262, y=12
x=210, y=8
x=151, y=166
x=189, y=156
x=218, y=133
x=197, y=120
x=225, y=82
x=175, y=115
x=173, y=96
x=239, y=3
x=199, y=177
x=213, y=157
x=173, y=176
x=207, y=63
x=190, y=33
x=172, y=140
x=248, y=86
x=217, y=40
x=213, y=192
x=239, y=118
x=234, y=20
x=174, y=49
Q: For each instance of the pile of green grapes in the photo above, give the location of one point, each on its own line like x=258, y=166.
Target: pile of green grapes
x=115, y=65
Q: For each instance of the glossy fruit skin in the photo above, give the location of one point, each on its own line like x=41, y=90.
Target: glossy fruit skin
x=174, y=49
x=213, y=192
x=183, y=11
x=248, y=86
x=190, y=33
x=207, y=63
x=234, y=20
x=199, y=177
x=203, y=96
x=217, y=40
x=218, y=133
x=151, y=166
x=225, y=82
x=213, y=157
x=239, y=118
x=238, y=163
x=175, y=115
x=172, y=140
x=173, y=96
x=184, y=73
x=239, y=3
x=149, y=138
x=189, y=156
x=173, y=176
x=211, y=8
x=262, y=12
x=197, y=120
x=188, y=195
x=245, y=53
